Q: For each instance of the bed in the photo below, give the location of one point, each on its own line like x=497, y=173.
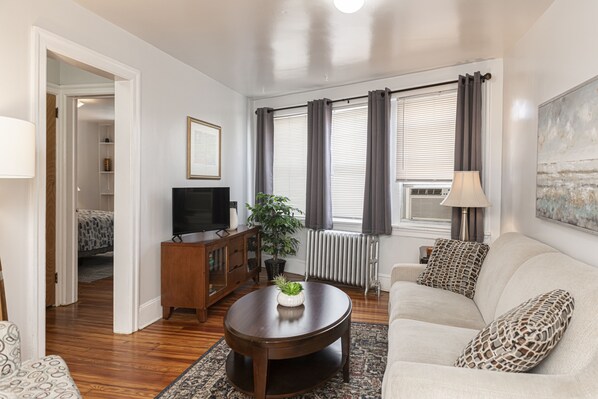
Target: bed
x=96, y=232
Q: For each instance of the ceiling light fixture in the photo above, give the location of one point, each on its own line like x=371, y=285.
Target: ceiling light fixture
x=349, y=6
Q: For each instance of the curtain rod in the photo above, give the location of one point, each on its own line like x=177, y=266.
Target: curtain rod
x=486, y=76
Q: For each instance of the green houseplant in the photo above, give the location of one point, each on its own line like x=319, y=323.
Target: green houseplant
x=277, y=221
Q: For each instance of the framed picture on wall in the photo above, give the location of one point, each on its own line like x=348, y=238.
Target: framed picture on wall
x=203, y=149
x=567, y=174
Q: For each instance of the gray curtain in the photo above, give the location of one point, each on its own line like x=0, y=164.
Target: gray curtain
x=318, y=207
x=468, y=147
x=376, y=200
x=264, y=154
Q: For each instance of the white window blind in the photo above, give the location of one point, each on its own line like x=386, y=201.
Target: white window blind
x=426, y=136
x=349, y=145
x=290, y=158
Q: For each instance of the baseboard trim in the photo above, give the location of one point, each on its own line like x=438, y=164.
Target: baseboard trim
x=150, y=312
x=296, y=266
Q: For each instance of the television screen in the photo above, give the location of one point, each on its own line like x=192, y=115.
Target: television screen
x=196, y=209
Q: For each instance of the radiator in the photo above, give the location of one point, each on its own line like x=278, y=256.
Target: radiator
x=344, y=257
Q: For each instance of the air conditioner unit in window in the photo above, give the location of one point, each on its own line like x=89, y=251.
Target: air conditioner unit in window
x=423, y=203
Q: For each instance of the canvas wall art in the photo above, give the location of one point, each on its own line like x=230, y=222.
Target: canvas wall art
x=567, y=174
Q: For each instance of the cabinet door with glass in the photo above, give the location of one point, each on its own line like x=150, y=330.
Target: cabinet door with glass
x=253, y=255
x=216, y=263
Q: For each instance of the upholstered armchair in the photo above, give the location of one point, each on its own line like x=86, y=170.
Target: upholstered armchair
x=47, y=377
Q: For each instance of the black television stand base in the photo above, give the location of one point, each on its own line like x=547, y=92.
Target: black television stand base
x=177, y=238
x=222, y=233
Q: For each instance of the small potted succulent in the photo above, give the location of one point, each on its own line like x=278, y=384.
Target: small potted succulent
x=291, y=292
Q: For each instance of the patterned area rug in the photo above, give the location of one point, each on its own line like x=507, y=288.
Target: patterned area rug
x=96, y=267
x=206, y=378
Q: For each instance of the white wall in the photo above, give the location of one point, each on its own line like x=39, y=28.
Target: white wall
x=403, y=245
x=556, y=54
x=170, y=90
x=88, y=179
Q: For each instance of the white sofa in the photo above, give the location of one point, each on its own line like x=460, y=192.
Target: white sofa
x=47, y=378
x=430, y=327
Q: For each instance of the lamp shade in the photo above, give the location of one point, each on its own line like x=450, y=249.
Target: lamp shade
x=466, y=191
x=17, y=148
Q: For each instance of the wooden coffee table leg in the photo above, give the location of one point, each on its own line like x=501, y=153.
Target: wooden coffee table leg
x=346, y=351
x=260, y=373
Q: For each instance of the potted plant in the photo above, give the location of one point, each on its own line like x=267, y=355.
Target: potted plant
x=291, y=292
x=277, y=221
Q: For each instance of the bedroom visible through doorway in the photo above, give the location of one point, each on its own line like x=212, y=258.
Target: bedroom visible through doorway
x=95, y=187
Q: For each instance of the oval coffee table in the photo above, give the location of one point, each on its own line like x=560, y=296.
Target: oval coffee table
x=279, y=352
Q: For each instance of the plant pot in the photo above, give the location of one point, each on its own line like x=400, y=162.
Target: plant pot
x=274, y=268
x=290, y=301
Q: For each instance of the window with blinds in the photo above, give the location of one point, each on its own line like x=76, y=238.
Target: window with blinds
x=426, y=136
x=349, y=144
x=290, y=158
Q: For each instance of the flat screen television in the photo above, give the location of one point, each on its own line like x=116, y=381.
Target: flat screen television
x=196, y=209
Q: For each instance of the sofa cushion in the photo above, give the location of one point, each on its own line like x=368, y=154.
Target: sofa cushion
x=578, y=349
x=518, y=340
x=422, y=342
x=454, y=266
x=506, y=254
x=419, y=302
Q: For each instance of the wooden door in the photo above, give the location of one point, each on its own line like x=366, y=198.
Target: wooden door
x=51, y=114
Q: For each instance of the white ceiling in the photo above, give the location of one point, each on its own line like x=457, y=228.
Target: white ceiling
x=262, y=48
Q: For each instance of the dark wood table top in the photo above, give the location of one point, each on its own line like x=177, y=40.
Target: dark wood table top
x=258, y=317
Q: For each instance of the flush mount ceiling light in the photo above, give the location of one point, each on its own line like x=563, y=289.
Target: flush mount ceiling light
x=348, y=6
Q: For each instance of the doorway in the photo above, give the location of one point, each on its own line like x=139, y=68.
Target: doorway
x=126, y=183
x=94, y=177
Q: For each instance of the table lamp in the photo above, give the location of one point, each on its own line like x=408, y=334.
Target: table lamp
x=17, y=161
x=466, y=192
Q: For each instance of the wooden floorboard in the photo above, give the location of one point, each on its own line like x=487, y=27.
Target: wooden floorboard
x=140, y=365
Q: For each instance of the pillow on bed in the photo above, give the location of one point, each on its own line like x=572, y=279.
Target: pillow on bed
x=519, y=339
x=454, y=266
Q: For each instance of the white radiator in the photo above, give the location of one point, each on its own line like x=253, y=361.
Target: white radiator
x=344, y=257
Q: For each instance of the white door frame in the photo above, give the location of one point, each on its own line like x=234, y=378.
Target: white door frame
x=127, y=180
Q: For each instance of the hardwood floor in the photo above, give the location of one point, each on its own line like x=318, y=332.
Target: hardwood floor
x=140, y=365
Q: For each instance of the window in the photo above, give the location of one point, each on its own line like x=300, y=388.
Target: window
x=425, y=153
x=290, y=158
x=348, y=153
x=349, y=145
x=426, y=136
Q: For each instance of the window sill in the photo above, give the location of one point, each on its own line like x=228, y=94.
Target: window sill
x=422, y=230
x=351, y=225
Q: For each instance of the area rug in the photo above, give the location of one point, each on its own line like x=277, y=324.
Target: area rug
x=206, y=378
x=95, y=268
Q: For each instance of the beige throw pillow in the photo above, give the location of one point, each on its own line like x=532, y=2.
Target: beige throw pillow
x=519, y=339
x=454, y=266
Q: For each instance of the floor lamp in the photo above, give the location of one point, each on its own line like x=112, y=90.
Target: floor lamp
x=17, y=161
x=466, y=192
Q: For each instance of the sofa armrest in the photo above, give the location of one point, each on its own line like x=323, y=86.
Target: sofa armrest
x=406, y=272
x=407, y=380
x=11, y=349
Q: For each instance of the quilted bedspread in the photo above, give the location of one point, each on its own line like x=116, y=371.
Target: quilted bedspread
x=96, y=231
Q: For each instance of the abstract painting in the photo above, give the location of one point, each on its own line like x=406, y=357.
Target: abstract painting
x=567, y=175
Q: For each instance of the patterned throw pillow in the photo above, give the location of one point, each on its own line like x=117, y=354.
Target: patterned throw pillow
x=454, y=266
x=519, y=339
